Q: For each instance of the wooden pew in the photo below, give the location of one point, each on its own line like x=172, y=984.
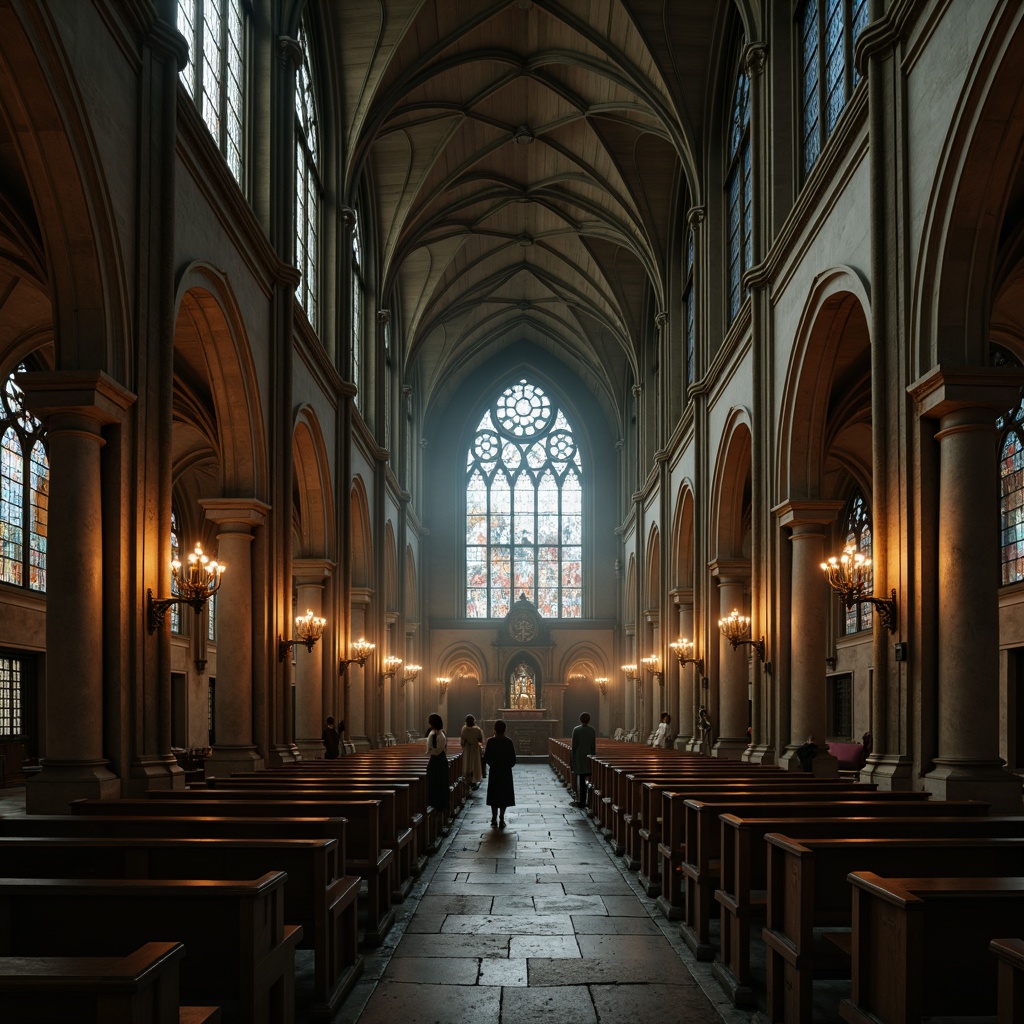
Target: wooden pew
x=744, y=869
x=239, y=952
x=920, y=946
x=808, y=889
x=316, y=896
x=364, y=853
x=1010, y=954
x=140, y=988
x=702, y=838
x=670, y=850
x=396, y=832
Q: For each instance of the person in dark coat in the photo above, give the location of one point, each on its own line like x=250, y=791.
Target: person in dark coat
x=437, y=768
x=584, y=743
x=331, y=740
x=500, y=756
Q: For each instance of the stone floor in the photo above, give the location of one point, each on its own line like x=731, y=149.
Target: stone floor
x=538, y=918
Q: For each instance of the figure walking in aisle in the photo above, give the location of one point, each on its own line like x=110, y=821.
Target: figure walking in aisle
x=584, y=743
x=500, y=757
x=331, y=739
x=471, y=740
x=437, y=768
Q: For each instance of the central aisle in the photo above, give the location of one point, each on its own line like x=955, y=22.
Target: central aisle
x=537, y=919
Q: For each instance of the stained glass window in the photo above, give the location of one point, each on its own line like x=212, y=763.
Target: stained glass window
x=24, y=491
x=857, y=531
x=1011, y=495
x=524, y=508
x=827, y=31
x=357, y=317
x=690, y=313
x=175, y=609
x=214, y=77
x=308, y=190
x=739, y=194
x=11, y=697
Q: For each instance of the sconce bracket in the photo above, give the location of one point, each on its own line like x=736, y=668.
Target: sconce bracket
x=758, y=646
x=284, y=646
x=886, y=608
x=699, y=662
x=156, y=607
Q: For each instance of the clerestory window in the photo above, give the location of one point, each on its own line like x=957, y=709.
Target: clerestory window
x=215, y=75
x=308, y=188
x=857, y=531
x=524, y=508
x=827, y=32
x=24, y=491
x=739, y=193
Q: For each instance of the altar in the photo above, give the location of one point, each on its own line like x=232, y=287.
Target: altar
x=529, y=729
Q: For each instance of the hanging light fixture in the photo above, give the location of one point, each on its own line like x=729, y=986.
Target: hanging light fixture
x=850, y=575
x=193, y=584
x=308, y=629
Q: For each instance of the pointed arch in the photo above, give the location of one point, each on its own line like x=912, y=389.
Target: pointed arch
x=629, y=605
x=731, y=490
x=411, y=606
x=652, y=575
x=390, y=569
x=313, y=504
x=360, y=535
x=683, y=539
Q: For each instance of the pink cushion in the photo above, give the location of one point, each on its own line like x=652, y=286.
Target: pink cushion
x=851, y=756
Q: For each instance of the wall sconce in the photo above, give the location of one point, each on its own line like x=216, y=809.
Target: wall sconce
x=194, y=587
x=361, y=650
x=443, y=682
x=409, y=673
x=391, y=664
x=602, y=685
x=848, y=576
x=653, y=664
x=632, y=672
x=308, y=628
x=683, y=649
x=736, y=629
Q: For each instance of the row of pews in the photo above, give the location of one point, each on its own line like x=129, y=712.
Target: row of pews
x=188, y=906
x=909, y=898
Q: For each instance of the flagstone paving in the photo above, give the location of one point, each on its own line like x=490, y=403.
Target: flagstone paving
x=536, y=921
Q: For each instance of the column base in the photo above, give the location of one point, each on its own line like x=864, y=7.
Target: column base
x=51, y=790
x=728, y=748
x=823, y=765
x=761, y=753
x=956, y=779
x=362, y=743
x=282, y=753
x=684, y=743
x=888, y=771
x=311, y=749
x=154, y=771
x=225, y=760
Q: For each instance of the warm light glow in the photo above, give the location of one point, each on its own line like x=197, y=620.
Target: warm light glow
x=410, y=672
x=848, y=573
x=602, y=685
x=443, y=682
x=391, y=664
x=653, y=664
x=632, y=672
x=309, y=628
x=193, y=585
x=361, y=650
x=683, y=649
x=736, y=627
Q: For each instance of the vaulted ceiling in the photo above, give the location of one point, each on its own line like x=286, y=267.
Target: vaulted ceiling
x=530, y=163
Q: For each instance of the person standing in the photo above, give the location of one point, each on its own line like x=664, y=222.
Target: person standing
x=331, y=740
x=437, y=768
x=471, y=740
x=500, y=757
x=584, y=743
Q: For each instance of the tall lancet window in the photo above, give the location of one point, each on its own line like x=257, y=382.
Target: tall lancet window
x=857, y=531
x=738, y=194
x=308, y=190
x=524, y=508
x=357, y=319
x=1011, y=494
x=215, y=75
x=24, y=491
x=175, y=609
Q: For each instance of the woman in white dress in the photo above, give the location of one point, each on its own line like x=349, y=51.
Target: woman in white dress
x=471, y=738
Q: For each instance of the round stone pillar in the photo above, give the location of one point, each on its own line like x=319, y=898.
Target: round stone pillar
x=357, y=717
x=74, y=408
x=234, y=750
x=734, y=678
x=966, y=404
x=310, y=576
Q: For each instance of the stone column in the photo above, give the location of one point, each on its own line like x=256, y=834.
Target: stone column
x=966, y=404
x=812, y=600
x=686, y=692
x=236, y=519
x=74, y=408
x=730, y=729
x=355, y=677
x=310, y=575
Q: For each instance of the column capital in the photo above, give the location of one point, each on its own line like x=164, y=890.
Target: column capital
x=681, y=596
x=947, y=389
x=807, y=512
x=246, y=512
x=85, y=393
x=730, y=570
x=312, y=571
